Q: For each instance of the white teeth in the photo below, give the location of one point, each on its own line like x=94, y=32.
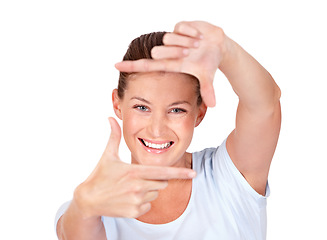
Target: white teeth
x=156, y=146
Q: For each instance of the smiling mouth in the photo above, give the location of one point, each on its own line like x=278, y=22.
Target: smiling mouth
x=157, y=146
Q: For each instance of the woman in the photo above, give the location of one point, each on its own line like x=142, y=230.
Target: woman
x=159, y=102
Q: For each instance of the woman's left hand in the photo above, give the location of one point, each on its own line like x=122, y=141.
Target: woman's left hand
x=195, y=48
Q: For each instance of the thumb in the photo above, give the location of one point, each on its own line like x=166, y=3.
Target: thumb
x=208, y=93
x=115, y=136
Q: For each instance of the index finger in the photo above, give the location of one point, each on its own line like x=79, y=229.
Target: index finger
x=186, y=28
x=148, y=65
x=164, y=173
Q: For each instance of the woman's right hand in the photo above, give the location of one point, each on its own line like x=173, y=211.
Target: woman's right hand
x=118, y=189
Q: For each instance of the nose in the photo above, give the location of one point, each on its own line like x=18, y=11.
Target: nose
x=157, y=125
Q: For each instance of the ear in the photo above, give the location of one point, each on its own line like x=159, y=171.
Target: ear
x=201, y=114
x=116, y=103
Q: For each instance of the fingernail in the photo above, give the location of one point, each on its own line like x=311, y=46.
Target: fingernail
x=192, y=174
x=196, y=44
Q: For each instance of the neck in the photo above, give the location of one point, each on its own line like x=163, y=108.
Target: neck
x=171, y=201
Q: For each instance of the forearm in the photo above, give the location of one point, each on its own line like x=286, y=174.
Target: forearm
x=254, y=86
x=73, y=225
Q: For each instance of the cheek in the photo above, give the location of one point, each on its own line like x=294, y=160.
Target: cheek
x=185, y=127
x=131, y=123
x=128, y=121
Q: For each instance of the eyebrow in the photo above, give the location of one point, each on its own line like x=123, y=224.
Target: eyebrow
x=179, y=102
x=172, y=104
x=141, y=99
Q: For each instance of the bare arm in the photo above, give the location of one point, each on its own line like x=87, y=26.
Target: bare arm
x=114, y=189
x=72, y=225
x=252, y=144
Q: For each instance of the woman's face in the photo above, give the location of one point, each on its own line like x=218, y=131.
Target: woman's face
x=159, y=112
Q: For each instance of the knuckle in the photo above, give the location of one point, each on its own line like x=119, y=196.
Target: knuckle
x=179, y=26
x=185, y=52
x=219, y=31
x=134, y=212
x=191, y=42
x=166, y=38
x=182, y=27
x=135, y=188
x=138, y=209
x=154, y=52
x=131, y=173
x=136, y=199
x=144, y=208
x=145, y=65
x=220, y=34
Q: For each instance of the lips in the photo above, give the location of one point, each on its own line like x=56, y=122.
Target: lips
x=163, y=145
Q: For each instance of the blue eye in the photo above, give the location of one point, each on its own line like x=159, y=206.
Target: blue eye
x=141, y=108
x=178, y=110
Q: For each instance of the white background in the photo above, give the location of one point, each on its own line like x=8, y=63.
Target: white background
x=57, y=74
